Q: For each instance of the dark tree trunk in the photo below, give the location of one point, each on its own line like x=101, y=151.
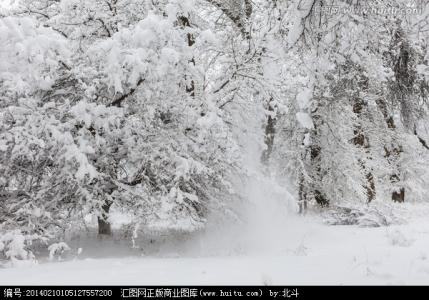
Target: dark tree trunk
x=400, y=90
x=361, y=141
x=392, y=152
x=316, y=158
x=104, y=227
x=310, y=181
x=399, y=196
x=302, y=203
x=270, y=131
x=184, y=22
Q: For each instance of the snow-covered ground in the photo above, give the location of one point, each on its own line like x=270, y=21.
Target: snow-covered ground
x=305, y=251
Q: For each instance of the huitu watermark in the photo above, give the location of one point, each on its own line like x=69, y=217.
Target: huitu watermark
x=373, y=8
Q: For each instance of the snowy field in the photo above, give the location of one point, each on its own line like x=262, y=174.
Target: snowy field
x=307, y=252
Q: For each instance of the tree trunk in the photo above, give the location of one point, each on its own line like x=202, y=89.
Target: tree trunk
x=270, y=130
x=310, y=181
x=190, y=84
x=399, y=196
x=302, y=197
x=361, y=141
x=104, y=227
x=400, y=90
x=316, y=163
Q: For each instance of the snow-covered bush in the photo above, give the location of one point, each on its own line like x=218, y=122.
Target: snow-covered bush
x=57, y=249
x=376, y=215
x=14, y=246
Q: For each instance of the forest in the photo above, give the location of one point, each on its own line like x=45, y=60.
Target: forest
x=147, y=127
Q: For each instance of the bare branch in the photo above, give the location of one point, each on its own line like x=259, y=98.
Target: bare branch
x=118, y=102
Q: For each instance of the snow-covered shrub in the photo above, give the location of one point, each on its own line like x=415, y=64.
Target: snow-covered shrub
x=363, y=216
x=14, y=246
x=57, y=249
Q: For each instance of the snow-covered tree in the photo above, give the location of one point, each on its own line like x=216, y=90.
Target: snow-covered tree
x=102, y=116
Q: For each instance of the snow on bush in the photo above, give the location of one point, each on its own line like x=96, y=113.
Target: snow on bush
x=14, y=247
x=363, y=216
x=57, y=249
